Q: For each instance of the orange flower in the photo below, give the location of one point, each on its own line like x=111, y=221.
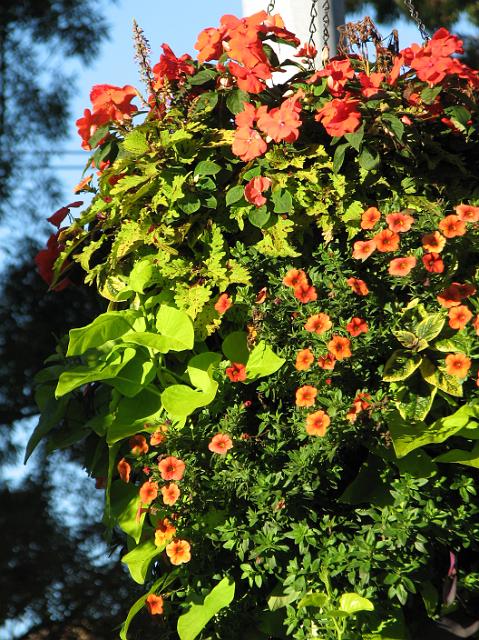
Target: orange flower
x=457, y=364
x=170, y=493
x=282, y=123
x=247, y=117
x=113, y=102
x=305, y=293
x=171, y=468
x=327, y=362
x=294, y=278
x=319, y=323
x=340, y=347
x=237, y=372
x=454, y=293
x=304, y=359
x=164, y=531
x=370, y=218
x=306, y=396
x=452, y=226
x=124, y=470
x=248, y=144
x=154, y=604
x=253, y=191
x=399, y=222
x=220, y=443
x=210, y=44
x=475, y=324
x=467, y=212
x=370, y=84
x=307, y=51
x=261, y=296
x=337, y=72
x=387, y=240
x=364, y=399
x=317, y=423
x=434, y=242
x=223, y=303
x=356, y=326
x=148, y=492
x=433, y=262
x=250, y=80
x=83, y=185
x=459, y=316
x=363, y=249
x=87, y=125
x=358, y=286
x=138, y=445
x=354, y=411
x=339, y=116
x=158, y=437
x=178, y=552
x=171, y=68
x=402, y=266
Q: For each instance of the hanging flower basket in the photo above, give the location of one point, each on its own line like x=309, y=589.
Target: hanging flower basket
x=282, y=396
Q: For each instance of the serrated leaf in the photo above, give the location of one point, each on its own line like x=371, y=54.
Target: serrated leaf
x=135, y=142
x=401, y=365
x=236, y=99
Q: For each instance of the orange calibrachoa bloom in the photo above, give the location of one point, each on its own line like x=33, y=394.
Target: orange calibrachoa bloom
x=475, y=324
x=327, y=362
x=178, y=551
x=171, y=468
x=362, y=249
x=387, y=240
x=304, y=360
x=434, y=242
x=452, y=226
x=433, y=262
x=340, y=116
x=317, y=423
x=306, y=396
x=148, y=492
x=158, y=437
x=253, y=191
x=459, y=316
x=164, y=532
x=237, y=372
x=124, y=470
x=454, y=293
x=223, y=303
x=154, y=604
x=170, y=493
x=305, y=293
x=359, y=287
x=319, y=323
x=294, y=278
x=402, y=266
x=138, y=445
x=467, y=212
x=399, y=222
x=220, y=443
x=340, y=347
x=370, y=218
x=356, y=326
x=457, y=364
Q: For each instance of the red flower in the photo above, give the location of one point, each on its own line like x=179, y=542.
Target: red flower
x=294, y=278
x=46, y=258
x=454, y=293
x=170, y=493
x=459, y=316
x=305, y=293
x=339, y=116
x=306, y=396
x=124, y=470
x=113, y=103
x=248, y=144
x=452, y=226
x=356, y=326
x=171, y=468
x=338, y=73
x=317, y=423
x=399, y=222
x=148, y=492
x=304, y=359
x=319, y=323
x=253, y=191
x=340, y=347
x=307, y=51
x=170, y=68
x=178, y=552
x=370, y=218
x=83, y=185
x=237, y=372
x=250, y=80
x=210, y=44
x=154, y=604
x=220, y=443
x=466, y=212
x=387, y=240
x=327, y=362
x=282, y=123
x=358, y=286
x=402, y=266
x=370, y=84
x=247, y=117
x=363, y=249
x=59, y=216
x=223, y=303
x=88, y=124
x=433, y=262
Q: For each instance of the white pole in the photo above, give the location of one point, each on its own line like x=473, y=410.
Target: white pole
x=297, y=17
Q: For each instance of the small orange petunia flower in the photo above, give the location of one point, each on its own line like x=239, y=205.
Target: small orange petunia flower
x=158, y=437
x=304, y=359
x=305, y=293
x=170, y=493
x=452, y=226
x=467, y=212
x=340, y=347
x=434, y=242
x=356, y=326
x=454, y=293
x=124, y=470
x=364, y=399
x=220, y=443
x=294, y=278
x=475, y=324
x=306, y=396
x=370, y=218
x=237, y=372
x=387, y=240
x=319, y=323
x=433, y=262
x=164, y=532
x=138, y=445
x=459, y=316
x=363, y=249
x=148, y=492
x=359, y=287
x=261, y=296
x=171, y=468
x=317, y=423
x=178, y=551
x=457, y=364
x=354, y=411
x=223, y=303
x=154, y=604
x=327, y=362
x=402, y=266
x=399, y=222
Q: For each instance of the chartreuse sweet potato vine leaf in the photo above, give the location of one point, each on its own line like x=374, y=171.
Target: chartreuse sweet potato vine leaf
x=125, y=502
x=108, y=326
x=260, y=362
x=139, y=559
x=352, y=603
x=191, y=623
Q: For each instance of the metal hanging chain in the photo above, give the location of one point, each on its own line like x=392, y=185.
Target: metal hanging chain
x=326, y=22
x=271, y=4
x=417, y=19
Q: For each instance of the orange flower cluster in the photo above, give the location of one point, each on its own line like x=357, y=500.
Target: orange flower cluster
x=170, y=68
x=298, y=281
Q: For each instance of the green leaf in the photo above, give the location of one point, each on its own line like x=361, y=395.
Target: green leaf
x=134, y=376
x=180, y=400
x=141, y=274
x=207, y=168
x=100, y=133
x=259, y=217
x=429, y=94
x=401, y=365
x=190, y=203
x=235, y=347
x=282, y=200
x=124, y=505
x=459, y=342
x=394, y=124
x=176, y=327
x=52, y=413
x=206, y=102
x=355, y=138
x=262, y=362
x=132, y=413
x=203, y=76
x=440, y=379
x=339, y=154
x=368, y=159
x=430, y=327
x=368, y=486
x=234, y=194
x=236, y=99
x=139, y=559
x=107, y=326
x=406, y=338
x=191, y=623
x=352, y=603
x=277, y=599
x=317, y=599
x=415, y=404
x=457, y=456
x=135, y=143
x=200, y=370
